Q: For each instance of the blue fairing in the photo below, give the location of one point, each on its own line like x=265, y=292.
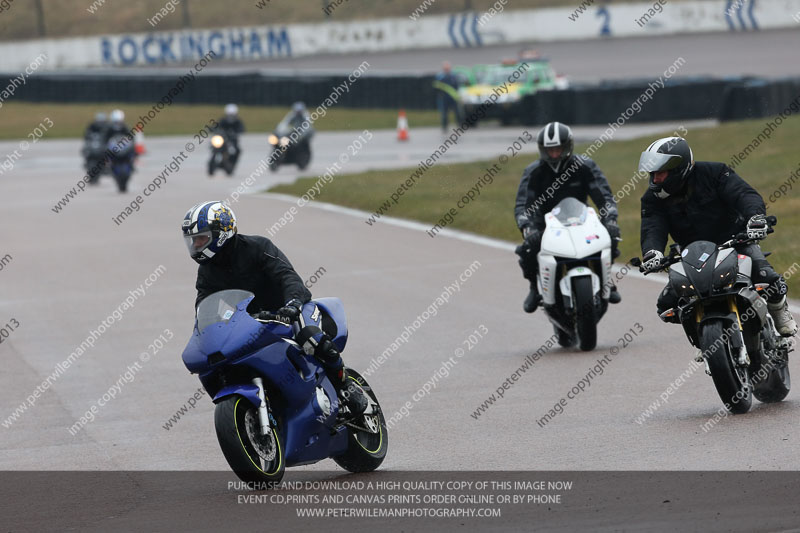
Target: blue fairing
x=250, y=392
x=335, y=310
x=228, y=348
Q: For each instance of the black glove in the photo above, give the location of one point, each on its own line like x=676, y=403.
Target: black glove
x=527, y=230
x=613, y=229
x=291, y=310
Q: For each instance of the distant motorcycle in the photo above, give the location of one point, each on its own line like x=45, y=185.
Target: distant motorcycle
x=290, y=145
x=123, y=152
x=223, y=154
x=275, y=406
x=724, y=315
x=575, y=272
x=94, y=156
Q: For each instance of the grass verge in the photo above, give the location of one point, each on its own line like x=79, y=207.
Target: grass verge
x=70, y=120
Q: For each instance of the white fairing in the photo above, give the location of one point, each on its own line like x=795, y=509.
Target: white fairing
x=565, y=283
x=574, y=241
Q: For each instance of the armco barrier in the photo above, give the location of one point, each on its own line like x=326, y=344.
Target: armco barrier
x=759, y=98
x=679, y=99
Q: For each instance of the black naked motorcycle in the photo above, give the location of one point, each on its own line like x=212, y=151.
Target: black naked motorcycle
x=724, y=314
x=290, y=145
x=223, y=154
x=94, y=155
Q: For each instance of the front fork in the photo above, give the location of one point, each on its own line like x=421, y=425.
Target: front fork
x=263, y=413
x=735, y=335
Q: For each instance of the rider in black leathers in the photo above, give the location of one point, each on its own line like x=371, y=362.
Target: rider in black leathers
x=693, y=201
x=253, y=263
x=231, y=126
x=558, y=174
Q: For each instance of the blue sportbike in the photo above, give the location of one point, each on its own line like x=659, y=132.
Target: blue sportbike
x=274, y=405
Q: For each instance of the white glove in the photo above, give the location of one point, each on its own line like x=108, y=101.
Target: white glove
x=651, y=260
x=757, y=227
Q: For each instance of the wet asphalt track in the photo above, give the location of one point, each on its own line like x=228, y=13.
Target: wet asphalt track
x=73, y=269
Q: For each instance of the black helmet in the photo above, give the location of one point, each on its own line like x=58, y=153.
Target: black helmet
x=672, y=154
x=554, y=135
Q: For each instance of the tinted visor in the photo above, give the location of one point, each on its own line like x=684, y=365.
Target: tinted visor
x=654, y=162
x=197, y=242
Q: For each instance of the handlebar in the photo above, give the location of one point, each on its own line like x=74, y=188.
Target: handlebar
x=674, y=253
x=264, y=316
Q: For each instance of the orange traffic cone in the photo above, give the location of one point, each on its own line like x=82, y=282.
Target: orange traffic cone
x=138, y=143
x=402, y=126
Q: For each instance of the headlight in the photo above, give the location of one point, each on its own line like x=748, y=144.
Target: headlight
x=725, y=273
x=273, y=139
x=217, y=141
x=683, y=287
x=284, y=141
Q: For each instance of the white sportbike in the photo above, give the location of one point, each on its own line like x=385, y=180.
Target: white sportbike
x=575, y=272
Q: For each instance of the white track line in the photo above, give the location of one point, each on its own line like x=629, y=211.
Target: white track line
x=794, y=307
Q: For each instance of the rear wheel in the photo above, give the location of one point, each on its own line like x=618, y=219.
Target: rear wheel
x=254, y=457
x=585, y=315
x=775, y=387
x=368, y=438
x=731, y=381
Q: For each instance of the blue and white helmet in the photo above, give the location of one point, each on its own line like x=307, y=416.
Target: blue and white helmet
x=206, y=228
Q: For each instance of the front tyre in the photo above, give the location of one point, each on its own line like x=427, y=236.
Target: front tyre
x=731, y=381
x=585, y=315
x=366, y=450
x=121, y=177
x=251, y=456
x=303, y=156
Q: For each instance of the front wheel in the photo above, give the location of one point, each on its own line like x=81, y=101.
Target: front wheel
x=252, y=456
x=121, y=177
x=585, y=316
x=274, y=160
x=303, y=157
x=731, y=381
x=367, y=436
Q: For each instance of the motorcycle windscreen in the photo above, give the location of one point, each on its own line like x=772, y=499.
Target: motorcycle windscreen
x=220, y=307
x=570, y=212
x=217, y=330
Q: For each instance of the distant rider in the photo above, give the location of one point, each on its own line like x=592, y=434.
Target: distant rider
x=94, y=158
x=567, y=176
x=98, y=125
x=231, y=126
x=116, y=125
x=692, y=201
x=253, y=263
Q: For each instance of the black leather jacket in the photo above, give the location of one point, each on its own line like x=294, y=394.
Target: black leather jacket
x=252, y=263
x=717, y=204
x=541, y=189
